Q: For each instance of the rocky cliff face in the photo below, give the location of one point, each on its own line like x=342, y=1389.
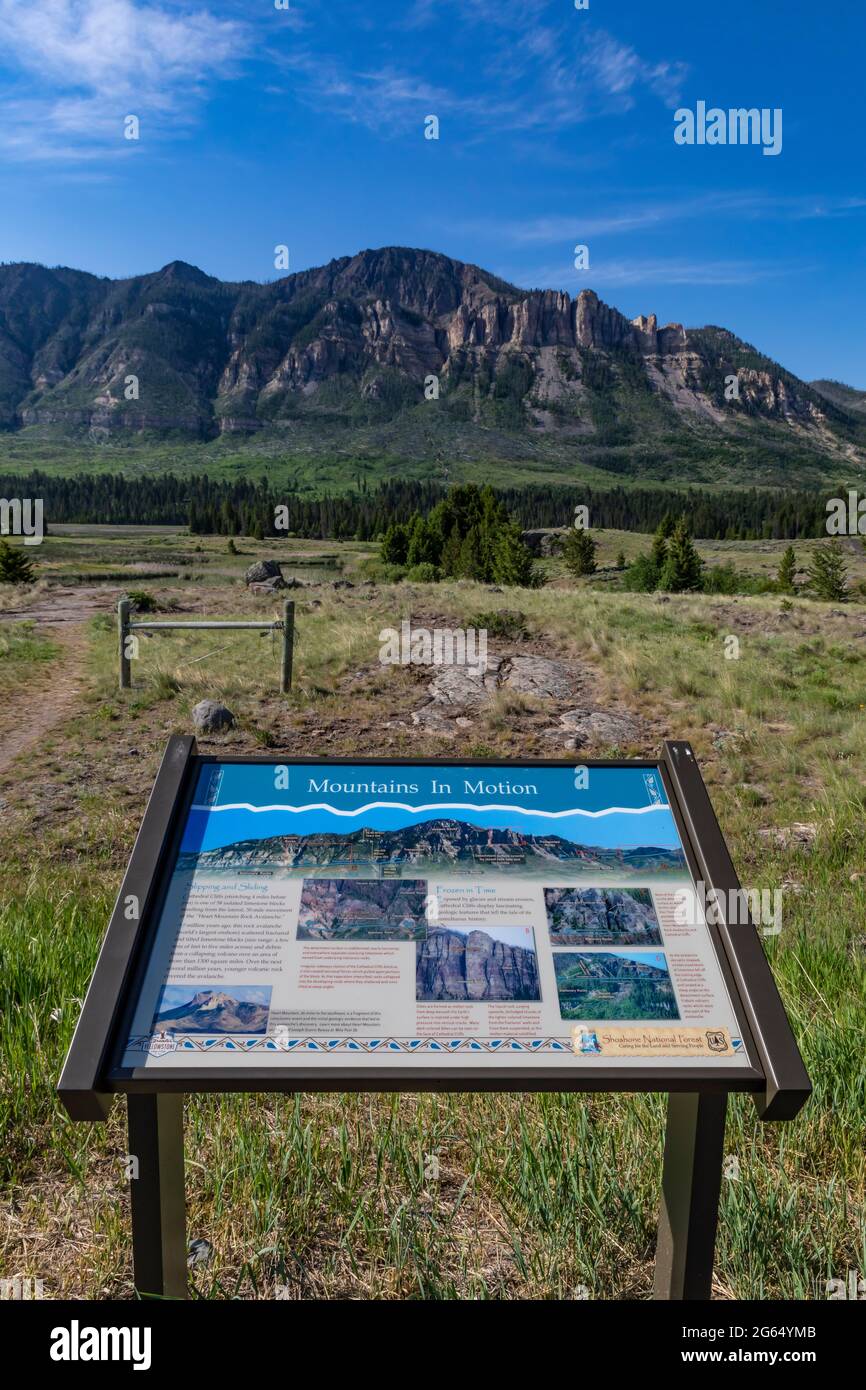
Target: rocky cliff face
x=353, y=343
x=473, y=967
x=601, y=916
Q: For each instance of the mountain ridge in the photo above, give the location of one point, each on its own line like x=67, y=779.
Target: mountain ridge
x=344, y=356
x=438, y=841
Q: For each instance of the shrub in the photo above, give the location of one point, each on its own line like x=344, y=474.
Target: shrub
x=142, y=602
x=423, y=573
x=501, y=622
x=722, y=579
x=381, y=572
x=642, y=576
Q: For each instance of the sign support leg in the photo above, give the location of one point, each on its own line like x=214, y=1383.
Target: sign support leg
x=691, y=1183
x=157, y=1195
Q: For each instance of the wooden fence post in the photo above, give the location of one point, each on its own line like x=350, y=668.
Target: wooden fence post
x=288, y=644
x=123, y=610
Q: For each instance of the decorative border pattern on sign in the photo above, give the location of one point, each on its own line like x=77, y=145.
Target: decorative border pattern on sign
x=269, y=1043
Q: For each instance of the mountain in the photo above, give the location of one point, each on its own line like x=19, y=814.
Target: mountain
x=211, y=1011
x=451, y=965
x=331, y=363
x=429, y=844
x=854, y=402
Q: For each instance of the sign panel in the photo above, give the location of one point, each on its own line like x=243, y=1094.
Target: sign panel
x=328, y=916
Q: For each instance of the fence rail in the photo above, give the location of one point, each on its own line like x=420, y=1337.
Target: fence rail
x=126, y=626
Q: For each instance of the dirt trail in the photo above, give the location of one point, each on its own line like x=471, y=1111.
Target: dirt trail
x=53, y=693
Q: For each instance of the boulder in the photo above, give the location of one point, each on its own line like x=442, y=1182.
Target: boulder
x=455, y=688
x=431, y=719
x=270, y=586
x=539, y=675
x=264, y=570
x=545, y=540
x=465, y=687
x=210, y=717
x=800, y=835
x=581, y=727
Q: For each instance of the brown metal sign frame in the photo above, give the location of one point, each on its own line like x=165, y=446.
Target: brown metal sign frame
x=93, y=1073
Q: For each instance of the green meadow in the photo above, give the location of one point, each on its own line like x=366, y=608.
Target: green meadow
x=427, y=1196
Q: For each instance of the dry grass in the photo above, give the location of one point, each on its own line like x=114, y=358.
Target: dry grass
x=333, y=1196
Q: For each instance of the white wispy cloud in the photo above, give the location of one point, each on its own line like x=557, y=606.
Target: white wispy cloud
x=648, y=270
x=532, y=76
x=78, y=67
x=665, y=211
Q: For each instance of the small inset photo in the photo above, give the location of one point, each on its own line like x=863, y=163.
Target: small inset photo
x=598, y=985
x=470, y=964
x=601, y=917
x=351, y=909
x=213, y=1009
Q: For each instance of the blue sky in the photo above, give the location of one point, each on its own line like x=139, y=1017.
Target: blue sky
x=305, y=126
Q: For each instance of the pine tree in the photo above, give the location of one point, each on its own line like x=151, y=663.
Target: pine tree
x=512, y=560
x=643, y=575
x=450, y=558
x=683, y=566
x=659, y=552
x=828, y=573
x=620, y=560
x=786, y=578
x=16, y=567
x=395, y=543
x=422, y=548
x=578, y=551
x=471, y=562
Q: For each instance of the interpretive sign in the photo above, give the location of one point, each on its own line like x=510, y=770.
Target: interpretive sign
x=322, y=915
x=380, y=925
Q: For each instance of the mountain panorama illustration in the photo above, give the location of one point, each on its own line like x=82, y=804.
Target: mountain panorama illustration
x=433, y=843
x=338, y=355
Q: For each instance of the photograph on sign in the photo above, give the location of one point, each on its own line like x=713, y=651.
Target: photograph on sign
x=324, y=916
